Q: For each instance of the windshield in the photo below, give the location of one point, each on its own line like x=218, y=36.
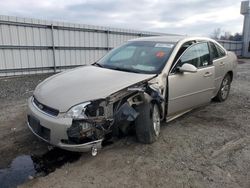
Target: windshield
x=139, y=56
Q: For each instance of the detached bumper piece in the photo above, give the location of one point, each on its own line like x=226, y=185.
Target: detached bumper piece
x=92, y=146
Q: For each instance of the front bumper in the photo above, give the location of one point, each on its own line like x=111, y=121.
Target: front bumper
x=56, y=130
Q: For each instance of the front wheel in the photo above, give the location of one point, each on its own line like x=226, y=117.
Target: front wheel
x=148, y=122
x=224, y=89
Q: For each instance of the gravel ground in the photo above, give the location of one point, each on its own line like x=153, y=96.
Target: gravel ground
x=15, y=137
x=208, y=147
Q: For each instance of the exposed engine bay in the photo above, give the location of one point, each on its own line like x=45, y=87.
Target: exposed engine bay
x=106, y=118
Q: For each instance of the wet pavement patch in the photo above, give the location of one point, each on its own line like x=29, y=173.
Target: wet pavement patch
x=19, y=171
x=26, y=167
x=53, y=159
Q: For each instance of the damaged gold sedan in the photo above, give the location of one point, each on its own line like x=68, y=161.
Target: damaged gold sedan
x=134, y=86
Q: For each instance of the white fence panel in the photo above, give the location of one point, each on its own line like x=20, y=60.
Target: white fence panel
x=235, y=46
x=36, y=46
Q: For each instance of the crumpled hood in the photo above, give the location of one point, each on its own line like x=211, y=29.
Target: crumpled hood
x=66, y=89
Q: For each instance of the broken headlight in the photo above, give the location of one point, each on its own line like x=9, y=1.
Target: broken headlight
x=78, y=112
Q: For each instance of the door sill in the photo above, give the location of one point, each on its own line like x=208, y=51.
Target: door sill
x=171, y=118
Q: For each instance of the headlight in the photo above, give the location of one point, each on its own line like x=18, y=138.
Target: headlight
x=78, y=112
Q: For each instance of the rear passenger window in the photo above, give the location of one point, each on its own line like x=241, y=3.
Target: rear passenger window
x=214, y=51
x=221, y=52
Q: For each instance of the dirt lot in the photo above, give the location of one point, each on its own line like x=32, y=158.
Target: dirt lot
x=208, y=147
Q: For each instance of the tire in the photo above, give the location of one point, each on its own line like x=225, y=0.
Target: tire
x=223, y=93
x=147, y=124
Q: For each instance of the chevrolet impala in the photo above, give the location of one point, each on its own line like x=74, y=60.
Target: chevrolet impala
x=133, y=87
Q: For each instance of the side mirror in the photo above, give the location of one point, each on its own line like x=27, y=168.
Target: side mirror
x=188, y=68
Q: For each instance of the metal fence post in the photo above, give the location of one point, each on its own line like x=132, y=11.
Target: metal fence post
x=108, y=40
x=53, y=47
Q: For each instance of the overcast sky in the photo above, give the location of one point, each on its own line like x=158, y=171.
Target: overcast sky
x=192, y=17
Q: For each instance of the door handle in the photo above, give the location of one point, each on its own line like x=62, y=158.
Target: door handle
x=222, y=63
x=208, y=74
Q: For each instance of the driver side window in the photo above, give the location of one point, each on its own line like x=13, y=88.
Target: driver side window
x=197, y=55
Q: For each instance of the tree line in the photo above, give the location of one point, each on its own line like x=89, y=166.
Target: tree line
x=218, y=34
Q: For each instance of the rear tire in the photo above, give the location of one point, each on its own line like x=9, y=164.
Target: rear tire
x=223, y=93
x=147, y=124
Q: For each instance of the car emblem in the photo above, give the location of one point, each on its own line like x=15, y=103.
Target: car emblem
x=40, y=106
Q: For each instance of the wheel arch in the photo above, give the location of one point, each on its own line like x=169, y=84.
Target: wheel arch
x=156, y=102
x=230, y=73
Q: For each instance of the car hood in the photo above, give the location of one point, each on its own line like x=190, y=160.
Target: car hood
x=66, y=89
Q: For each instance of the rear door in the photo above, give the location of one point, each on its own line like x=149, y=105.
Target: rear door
x=189, y=90
x=218, y=57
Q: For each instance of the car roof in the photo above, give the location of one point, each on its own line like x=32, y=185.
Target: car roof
x=171, y=39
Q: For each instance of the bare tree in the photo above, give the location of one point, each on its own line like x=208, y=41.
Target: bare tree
x=219, y=34
x=229, y=36
x=216, y=33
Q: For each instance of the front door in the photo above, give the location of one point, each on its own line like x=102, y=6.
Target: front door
x=188, y=90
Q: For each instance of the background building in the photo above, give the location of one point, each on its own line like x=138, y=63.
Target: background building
x=245, y=10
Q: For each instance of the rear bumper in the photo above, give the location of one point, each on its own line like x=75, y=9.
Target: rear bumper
x=57, y=130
